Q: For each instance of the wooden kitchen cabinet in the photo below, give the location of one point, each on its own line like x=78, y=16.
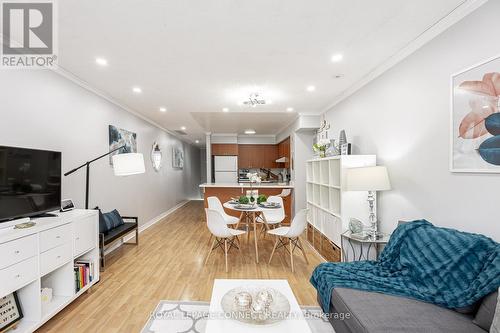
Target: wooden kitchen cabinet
x=257, y=156
x=284, y=151
x=246, y=156
x=224, y=149
x=270, y=156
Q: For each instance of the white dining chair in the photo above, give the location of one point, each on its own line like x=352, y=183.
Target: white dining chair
x=215, y=204
x=273, y=217
x=285, y=192
x=291, y=236
x=224, y=237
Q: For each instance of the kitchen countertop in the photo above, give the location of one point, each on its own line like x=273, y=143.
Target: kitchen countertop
x=247, y=185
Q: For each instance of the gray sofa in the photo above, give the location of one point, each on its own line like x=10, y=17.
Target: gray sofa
x=357, y=311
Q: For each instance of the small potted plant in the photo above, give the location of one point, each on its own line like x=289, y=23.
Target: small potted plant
x=321, y=146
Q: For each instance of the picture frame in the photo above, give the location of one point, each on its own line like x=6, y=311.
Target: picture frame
x=474, y=108
x=119, y=137
x=10, y=311
x=178, y=157
x=345, y=149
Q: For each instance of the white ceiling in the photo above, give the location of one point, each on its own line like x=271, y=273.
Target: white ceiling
x=196, y=57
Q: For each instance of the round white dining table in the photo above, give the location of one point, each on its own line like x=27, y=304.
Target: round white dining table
x=249, y=216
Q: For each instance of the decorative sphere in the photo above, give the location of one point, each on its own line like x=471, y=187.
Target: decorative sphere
x=260, y=311
x=243, y=301
x=264, y=297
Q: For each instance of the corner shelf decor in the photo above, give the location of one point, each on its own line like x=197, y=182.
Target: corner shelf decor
x=330, y=206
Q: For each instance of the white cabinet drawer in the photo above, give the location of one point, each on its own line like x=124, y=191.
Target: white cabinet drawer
x=55, y=237
x=18, y=275
x=54, y=258
x=85, y=235
x=18, y=250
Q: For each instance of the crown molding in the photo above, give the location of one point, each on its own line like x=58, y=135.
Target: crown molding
x=454, y=16
x=85, y=85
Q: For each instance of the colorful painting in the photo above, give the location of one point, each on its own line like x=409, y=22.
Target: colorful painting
x=119, y=137
x=476, y=119
x=178, y=156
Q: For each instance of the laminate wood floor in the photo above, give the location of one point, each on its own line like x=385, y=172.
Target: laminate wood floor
x=168, y=264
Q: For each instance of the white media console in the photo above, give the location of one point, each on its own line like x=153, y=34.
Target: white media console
x=43, y=256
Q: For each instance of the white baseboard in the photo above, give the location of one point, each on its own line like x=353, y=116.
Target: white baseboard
x=143, y=227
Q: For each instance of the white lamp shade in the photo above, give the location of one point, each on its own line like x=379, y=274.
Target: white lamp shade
x=373, y=178
x=128, y=164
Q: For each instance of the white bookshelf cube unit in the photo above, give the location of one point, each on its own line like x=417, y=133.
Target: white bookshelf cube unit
x=330, y=206
x=43, y=256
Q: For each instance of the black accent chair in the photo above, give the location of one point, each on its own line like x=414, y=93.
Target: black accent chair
x=131, y=223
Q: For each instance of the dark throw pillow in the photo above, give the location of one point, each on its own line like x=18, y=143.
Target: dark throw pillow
x=112, y=220
x=102, y=222
x=484, y=316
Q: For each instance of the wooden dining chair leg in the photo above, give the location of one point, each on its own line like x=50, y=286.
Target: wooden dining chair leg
x=265, y=225
x=239, y=244
x=303, y=250
x=247, y=220
x=210, y=250
x=225, y=252
x=238, y=224
x=291, y=254
x=255, y=238
x=274, y=249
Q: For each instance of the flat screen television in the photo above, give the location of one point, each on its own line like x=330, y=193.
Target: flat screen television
x=30, y=182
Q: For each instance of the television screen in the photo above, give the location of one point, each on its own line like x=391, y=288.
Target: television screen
x=30, y=182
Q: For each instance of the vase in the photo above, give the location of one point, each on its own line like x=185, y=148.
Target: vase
x=342, y=138
x=322, y=154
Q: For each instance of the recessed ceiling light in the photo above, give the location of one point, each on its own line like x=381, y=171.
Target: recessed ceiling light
x=137, y=90
x=163, y=109
x=196, y=141
x=250, y=131
x=225, y=110
x=311, y=88
x=101, y=61
x=183, y=128
x=337, y=57
x=289, y=109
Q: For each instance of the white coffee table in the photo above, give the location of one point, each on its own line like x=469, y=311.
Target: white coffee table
x=296, y=322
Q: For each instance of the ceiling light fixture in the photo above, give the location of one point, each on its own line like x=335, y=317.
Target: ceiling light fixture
x=196, y=141
x=250, y=131
x=311, y=88
x=337, y=57
x=101, y=61
x=225, y=110
x=163, y=109
x=137, y=90
x=289, y=109
x=254, y=100
x=183, y=128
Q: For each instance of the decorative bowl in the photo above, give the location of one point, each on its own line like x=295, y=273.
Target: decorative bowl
x=245, y=206
x=270, y=205
x=255, y=305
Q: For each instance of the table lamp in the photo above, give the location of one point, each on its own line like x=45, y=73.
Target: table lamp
x=371, y=179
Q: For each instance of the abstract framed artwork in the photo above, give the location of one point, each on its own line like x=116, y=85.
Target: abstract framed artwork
x=119, y=137
x=475, y=118
x=178, y=156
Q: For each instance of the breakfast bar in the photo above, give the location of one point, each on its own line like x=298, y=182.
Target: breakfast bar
x=226, y=191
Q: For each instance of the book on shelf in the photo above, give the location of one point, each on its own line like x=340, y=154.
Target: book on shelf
x=84, y=273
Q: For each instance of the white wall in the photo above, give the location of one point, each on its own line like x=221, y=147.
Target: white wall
x=404, y=116
x=301, y=135
x=40, y=109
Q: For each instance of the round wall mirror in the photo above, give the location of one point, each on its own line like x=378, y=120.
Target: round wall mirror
x=156, y=157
